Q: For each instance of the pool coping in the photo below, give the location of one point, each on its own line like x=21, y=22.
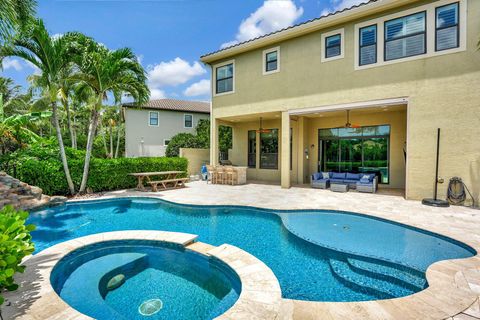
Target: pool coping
x=260, y=296
x=447, y=296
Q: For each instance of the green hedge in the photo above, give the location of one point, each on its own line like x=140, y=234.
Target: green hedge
x=46, y=170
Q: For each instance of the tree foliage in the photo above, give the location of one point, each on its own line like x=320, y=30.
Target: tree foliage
x=14, y=15
x=15, y=244
x=181, y=140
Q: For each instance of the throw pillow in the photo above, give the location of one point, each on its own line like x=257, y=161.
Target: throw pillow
x=325, y=175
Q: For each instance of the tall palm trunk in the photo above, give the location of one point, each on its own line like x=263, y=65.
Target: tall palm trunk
x=74, y=134
x=111, y=140
x=91, y=135
x=69, y=122
x=104, y=139
x=71, y=187
x=119, y=132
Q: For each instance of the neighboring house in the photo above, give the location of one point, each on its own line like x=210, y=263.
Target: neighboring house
x=402, y=68
x=149, y=128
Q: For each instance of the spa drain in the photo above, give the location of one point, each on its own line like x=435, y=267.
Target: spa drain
x=150, y=307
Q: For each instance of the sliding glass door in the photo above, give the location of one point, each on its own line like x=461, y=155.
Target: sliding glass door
x=356, y=150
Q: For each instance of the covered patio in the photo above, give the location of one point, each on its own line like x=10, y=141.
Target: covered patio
x=287, y=147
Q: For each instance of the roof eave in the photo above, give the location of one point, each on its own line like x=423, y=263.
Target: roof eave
x=309, y=27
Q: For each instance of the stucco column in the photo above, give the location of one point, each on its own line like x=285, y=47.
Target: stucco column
x=285, y=156
x=300, y=150
x=214, y=142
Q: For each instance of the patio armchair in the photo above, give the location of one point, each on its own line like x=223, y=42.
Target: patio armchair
x=320, y=180
x=367, y=183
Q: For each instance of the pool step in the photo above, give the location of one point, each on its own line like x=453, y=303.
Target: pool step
x=381, y=289
x=404, y=276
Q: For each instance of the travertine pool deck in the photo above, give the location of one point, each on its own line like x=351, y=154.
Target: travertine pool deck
x=454, y=285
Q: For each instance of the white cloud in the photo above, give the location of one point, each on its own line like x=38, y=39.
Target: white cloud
x=10, y=63
x=200, y=88
x=273, y=15
x=36, y=70
x=173, y=73
x=336, y=5
x=156, y=94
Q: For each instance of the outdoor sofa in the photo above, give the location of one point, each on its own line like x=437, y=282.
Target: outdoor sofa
x=363, y=182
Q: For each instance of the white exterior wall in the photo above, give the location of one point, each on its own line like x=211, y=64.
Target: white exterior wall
x=143, y=140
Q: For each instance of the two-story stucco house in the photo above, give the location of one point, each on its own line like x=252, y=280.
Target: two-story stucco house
x=363, y=89
x=149, y=128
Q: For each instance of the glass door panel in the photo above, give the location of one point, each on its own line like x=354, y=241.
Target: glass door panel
x=375, y=157
x=350, y=155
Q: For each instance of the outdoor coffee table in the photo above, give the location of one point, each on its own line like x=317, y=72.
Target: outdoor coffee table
x=339, y=187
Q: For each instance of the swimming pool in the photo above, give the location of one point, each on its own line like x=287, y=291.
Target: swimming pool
x=316, y=255
x=135, y=279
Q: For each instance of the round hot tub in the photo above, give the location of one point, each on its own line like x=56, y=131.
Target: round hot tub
x=144, y=279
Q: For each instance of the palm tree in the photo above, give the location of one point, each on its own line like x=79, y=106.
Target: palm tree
x=108, y=72
x=14, y=14
x=51, y=55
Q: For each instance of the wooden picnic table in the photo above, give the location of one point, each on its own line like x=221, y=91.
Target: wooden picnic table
x=164, y=176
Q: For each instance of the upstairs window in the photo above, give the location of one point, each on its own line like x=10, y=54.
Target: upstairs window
x=333, y=46
x=188, y=121
x=153, y=118
x=271, y=61
x=447, y=27
x=405, y=37
x=368, y=45
x=224, y=77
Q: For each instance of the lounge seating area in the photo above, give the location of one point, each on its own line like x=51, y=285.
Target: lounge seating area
x=343, y=181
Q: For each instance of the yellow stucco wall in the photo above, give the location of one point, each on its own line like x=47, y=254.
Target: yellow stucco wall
x=196, y=158
x=442, y=91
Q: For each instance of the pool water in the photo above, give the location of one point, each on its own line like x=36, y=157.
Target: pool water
x=316, y=255
x=162, y=281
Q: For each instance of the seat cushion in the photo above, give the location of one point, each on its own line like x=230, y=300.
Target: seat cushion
x=350, y=181
x=368, y=176
x=365, y=181
x=338, y=175
x=353, y=176
x=337, y=180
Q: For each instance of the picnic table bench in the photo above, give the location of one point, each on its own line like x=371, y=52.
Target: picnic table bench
x=166, y=179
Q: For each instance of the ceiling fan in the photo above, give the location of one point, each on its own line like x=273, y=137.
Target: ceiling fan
x=261, y=130
x=348, y=124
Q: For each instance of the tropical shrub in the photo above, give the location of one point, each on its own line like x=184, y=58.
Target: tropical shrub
x=181, y=140
x=41, y=166
x=15, y=244
x=200, y=140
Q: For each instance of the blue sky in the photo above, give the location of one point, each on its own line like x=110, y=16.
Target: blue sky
x=169, y=36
